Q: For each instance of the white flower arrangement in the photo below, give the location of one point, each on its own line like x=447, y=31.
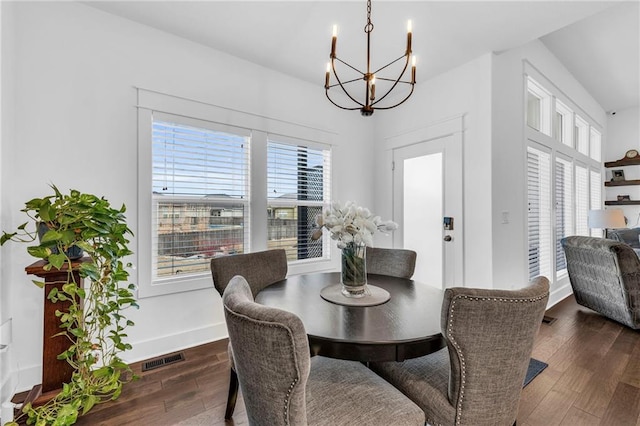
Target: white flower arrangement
x=351, y=224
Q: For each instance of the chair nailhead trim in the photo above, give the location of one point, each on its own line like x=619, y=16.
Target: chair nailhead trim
x=457, y=347
x=268, y=324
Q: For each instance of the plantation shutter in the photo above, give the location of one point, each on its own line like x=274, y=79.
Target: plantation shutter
x=539, y=212
x=298, y=184
x=582, y=201
x=200, y=175
x=564, y=211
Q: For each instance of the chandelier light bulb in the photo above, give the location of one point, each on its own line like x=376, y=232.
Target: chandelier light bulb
x=409, y=27
x=335, y=31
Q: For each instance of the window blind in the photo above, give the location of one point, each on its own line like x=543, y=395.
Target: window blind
x=200, y=194
x=539, y=212
x=298, y=184
x=582, y=201
x=564, y=211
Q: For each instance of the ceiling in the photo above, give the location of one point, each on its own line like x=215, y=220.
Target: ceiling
x=598, y=41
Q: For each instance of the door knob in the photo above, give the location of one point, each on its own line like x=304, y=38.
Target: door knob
x=448, y=238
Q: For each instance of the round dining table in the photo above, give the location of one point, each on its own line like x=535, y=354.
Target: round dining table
x=406, y=326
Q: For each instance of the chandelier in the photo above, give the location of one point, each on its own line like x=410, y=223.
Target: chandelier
x=370, y=102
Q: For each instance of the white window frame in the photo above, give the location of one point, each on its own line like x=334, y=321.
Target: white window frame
x=581, y=134
x=595, y=144
x=537, y=90
x=564, y=133
x=259, y=125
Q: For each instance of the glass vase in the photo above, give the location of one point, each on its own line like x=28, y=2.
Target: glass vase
x=354, y=270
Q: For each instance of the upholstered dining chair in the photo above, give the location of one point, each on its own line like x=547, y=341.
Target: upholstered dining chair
x=260, y=269
x=477, y=378
x=282, y=385
x=399, y=263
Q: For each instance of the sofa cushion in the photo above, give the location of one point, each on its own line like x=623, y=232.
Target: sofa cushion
x=626, y=235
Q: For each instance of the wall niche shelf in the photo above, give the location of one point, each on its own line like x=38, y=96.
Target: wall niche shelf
x=623, y=162
x=622, y=203
x=622, y=182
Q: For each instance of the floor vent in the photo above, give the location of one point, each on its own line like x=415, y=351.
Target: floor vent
x=162, y=361
x=548, y=320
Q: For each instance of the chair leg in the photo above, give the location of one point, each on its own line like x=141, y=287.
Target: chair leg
x=233, y=394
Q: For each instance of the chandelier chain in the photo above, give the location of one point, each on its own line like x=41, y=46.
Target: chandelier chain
x=369, y=27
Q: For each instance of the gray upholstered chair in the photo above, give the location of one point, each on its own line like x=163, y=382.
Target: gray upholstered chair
x=282, y=385
x=393, y=262
x=260, y=269
x=605, y=277
x=477, y=378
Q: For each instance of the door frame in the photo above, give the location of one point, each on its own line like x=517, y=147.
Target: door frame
x=453, y=127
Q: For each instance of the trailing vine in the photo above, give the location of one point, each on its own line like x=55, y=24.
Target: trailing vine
x=94, y=322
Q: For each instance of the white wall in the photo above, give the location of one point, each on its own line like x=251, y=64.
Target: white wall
x=508, y=153
x=623, y=134
x=74, y=70
x=464, y=91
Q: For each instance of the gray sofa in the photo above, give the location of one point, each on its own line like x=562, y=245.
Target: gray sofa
x=629, y=236
x=605, y=277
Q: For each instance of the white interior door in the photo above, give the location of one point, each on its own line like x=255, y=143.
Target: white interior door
x=427, y=188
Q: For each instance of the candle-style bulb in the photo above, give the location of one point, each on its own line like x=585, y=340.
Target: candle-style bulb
x=333, y=41
x=409, y=26
x=326, y=76
x=373, y=88
x=413, y=70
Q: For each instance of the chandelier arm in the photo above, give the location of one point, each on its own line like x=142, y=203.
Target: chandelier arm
x=399, y=103
x=335, y=74
x=393, y=86
x=343, y=62
x=347, y=82
x=390, y=79
x=391, y=63
x=339, y=106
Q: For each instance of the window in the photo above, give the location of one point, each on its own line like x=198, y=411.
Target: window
x=582, y=200
x=539, y=212
x=595, y=197
x=581, y=135
x=297, y=186
x=595, y=144
x=564, y=124
x=203, y=190
x=538, y=107
x=563, y=183
x=200, y=194
x=564, y=210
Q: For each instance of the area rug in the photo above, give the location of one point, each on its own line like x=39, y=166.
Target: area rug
x=535, y=368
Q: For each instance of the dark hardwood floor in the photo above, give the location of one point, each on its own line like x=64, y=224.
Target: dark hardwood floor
x=593, y=378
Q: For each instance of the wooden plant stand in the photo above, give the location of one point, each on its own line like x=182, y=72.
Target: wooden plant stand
x=55, y=372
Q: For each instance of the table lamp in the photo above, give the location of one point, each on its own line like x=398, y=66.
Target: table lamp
x=606, y=219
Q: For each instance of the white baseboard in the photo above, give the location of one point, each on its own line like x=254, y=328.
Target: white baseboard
x=28, y=377
x=175, y=342
x=559, y=294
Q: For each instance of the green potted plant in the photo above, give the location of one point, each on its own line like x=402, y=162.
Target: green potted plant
x=69, y=224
